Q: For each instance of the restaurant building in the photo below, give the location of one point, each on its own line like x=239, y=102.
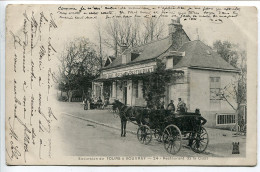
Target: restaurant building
x=204, y=74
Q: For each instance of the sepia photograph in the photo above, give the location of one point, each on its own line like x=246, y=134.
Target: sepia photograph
x=130, y=85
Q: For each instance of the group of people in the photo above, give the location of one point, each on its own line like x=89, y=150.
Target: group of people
x=181, y=106
x=92, y=104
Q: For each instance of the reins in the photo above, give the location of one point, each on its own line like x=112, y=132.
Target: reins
x=128, y=119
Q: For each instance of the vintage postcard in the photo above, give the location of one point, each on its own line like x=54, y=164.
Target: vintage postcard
x=131, y=85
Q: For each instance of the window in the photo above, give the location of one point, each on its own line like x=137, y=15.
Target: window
x=136, y=88
x=134, y=56
x=223, y=119
x=114, y=89
x=98, y=91
x=214, y=91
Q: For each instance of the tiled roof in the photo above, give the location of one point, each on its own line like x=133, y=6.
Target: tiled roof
x=154, y=49
x=147, y=51
x=198, y=54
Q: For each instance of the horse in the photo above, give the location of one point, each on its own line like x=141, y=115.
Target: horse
x=135, y=115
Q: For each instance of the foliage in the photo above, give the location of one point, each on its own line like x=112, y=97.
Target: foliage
x=233, y=54
x=226, y=51
x=237, y=89
x=132, y=32
x=79, y=65
x=154, y=86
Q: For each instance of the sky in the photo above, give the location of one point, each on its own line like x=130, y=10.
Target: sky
x=230, y=30
x=234, y=30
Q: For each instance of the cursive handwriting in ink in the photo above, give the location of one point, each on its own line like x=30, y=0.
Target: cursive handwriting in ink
x=24, y=85
x=51, y=113
x=34, y=26
x=50, y=49
x=24, y=105
x=15, y=62
x=25, y=42
x=12, y=133
x=15, y=93
x=33, y=136
x=16, y=39
x=43, y=19
x=25, y=16
x=15, y=152
x=43, y=128
x=40, y=103
x=42, y=53
x=40, y=147
x=40, y=79
x=26, y=142
x=33, y=49
x=22, y=123
x=32, y=108
x=32, y=73
x=52, y=23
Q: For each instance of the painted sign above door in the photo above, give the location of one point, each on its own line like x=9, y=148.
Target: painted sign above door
x=132, y=70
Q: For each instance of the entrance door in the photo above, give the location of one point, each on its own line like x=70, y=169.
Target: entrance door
x=125, y=95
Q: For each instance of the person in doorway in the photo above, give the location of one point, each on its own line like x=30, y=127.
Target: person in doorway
x=99, y=102
x=171, y=106
x=92, y=103
x=106, y=102
x=85, y=103
x=161, y=104
x=181, y=107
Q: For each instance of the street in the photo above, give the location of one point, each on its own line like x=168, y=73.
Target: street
x=97, y=133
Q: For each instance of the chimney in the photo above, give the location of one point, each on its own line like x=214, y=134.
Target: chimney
x=176, y=33
x=174, y=25
x=123, y=47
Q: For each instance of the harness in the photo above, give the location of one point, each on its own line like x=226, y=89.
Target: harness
x=124, y=113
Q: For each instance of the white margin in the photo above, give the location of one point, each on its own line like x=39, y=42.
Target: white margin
x=4, y=168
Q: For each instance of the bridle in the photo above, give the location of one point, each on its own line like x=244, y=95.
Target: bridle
x=119, y=105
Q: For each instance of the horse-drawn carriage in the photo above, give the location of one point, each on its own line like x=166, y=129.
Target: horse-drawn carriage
x=167, y=127
x=173, y=128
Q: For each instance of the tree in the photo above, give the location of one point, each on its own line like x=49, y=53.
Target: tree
x=153, y=29
x=227, y=51
x=79, y=65
x=237, y=89
x=100, y=44
x=235, y=56
x=132, y=32
x=120, y=32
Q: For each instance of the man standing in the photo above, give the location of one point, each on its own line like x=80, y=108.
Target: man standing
x=171, y=106
x=85, y=103
x=181, y=107
x=99, y=103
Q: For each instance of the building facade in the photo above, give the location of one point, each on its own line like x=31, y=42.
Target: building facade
x=205, y=73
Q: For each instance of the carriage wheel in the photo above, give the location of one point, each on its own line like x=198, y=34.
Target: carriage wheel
x=172, y=139
x=144, y=134
x=199, y=141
